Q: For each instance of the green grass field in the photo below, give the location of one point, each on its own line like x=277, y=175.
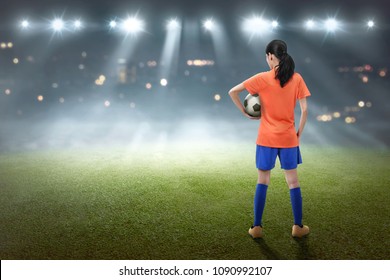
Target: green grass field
x=165, y=203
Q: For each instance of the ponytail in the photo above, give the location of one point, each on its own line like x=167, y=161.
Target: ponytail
x=285, y=69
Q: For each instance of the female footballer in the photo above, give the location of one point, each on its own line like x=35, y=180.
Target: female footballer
x=278, y=90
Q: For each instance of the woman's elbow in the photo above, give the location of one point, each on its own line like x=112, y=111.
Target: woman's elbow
x=236, y=90
x=231, y=92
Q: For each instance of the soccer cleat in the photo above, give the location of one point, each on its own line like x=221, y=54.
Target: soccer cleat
x=256, y=232
x=300, y=231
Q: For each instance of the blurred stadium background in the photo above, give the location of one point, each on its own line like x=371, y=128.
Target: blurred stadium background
x=78, y=73
x=115, y=119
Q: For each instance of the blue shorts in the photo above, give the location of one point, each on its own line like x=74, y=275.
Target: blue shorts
x=289, y=157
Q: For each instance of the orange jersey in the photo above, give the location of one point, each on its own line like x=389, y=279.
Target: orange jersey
x=277, y=126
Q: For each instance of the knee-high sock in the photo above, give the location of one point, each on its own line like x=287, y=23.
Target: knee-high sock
x=259, y=203
x=296, y=204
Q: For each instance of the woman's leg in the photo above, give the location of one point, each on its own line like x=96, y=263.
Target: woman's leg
x=296, y=202
x=256, y=231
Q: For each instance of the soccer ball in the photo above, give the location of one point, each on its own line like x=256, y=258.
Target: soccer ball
x=252, y=105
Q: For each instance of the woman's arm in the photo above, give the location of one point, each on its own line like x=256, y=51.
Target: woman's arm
x=302, y=121
x=234, y=95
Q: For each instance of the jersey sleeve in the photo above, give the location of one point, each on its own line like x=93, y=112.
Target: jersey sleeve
x=253, y=84
x=303, y=91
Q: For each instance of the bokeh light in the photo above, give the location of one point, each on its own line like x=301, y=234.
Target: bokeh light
x=163, y=82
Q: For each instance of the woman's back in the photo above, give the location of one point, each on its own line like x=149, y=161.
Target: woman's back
x=277, y=127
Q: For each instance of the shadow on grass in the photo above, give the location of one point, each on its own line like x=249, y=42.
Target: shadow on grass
x=303, y=252
x=267, y=251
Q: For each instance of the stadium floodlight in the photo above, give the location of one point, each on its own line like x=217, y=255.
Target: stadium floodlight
x=77, y=24
x=57, y=25
x=256, y=25
x=331, y=25
x=173, y=24
x=132, y=25
x=370, y=23
x=24, y=24
x=274, y=24
x=209, y=24
x=112, y=24
x=310, y=24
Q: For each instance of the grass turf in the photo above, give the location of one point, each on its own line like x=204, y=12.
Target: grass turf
x=168, y=203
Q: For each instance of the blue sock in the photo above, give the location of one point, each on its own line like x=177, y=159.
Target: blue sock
x=259, y=203
x=296, y=203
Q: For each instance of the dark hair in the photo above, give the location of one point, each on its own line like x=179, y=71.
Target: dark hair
x=285, y=69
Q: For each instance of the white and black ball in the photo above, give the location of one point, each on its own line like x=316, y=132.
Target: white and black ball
x=252, y=105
